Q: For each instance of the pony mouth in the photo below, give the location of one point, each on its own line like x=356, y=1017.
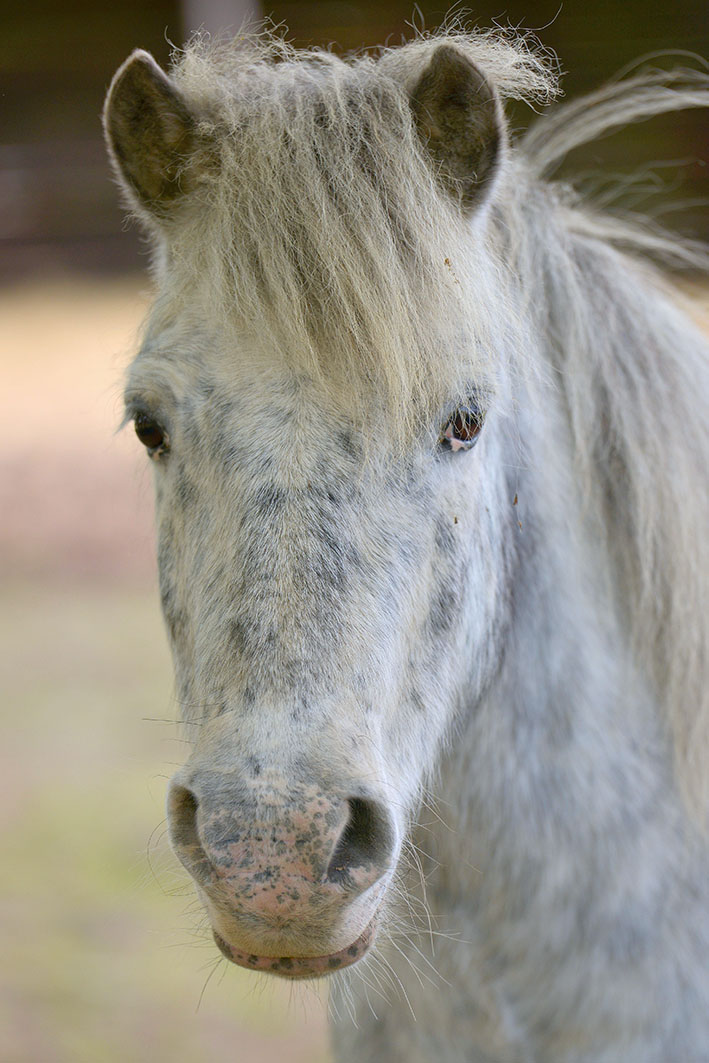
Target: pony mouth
x=295, y=967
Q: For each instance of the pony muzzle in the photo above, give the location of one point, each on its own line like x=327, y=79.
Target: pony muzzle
x=292, y=881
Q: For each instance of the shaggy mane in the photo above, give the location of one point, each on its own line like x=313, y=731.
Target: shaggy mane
x=321, y=229
x=635, y=373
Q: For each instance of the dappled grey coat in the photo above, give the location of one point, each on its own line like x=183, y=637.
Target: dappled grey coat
x=430, y=446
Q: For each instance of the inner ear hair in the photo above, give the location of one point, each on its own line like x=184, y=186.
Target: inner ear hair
x=459, y=118
x=150, y=132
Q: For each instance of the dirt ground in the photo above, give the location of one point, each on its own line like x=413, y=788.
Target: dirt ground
x=105, y=958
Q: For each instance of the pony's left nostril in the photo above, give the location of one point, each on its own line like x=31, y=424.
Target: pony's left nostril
x=366, y=842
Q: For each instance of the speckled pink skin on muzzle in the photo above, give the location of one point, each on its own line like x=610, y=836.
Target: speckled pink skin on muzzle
x=291, y=879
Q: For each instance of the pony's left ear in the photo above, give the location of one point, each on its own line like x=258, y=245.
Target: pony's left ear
x=459, y=118
x=151, y=134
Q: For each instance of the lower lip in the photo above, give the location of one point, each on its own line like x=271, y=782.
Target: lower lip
x=300, y=966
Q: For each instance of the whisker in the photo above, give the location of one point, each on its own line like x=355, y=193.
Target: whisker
x=215, y=966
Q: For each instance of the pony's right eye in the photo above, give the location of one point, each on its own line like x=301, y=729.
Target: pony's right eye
x=151, y=434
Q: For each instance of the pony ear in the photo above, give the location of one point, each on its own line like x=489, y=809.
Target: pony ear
x=150, y=133
x=460, y=121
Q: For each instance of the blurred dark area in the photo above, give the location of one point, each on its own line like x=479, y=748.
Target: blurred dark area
x=59, y=207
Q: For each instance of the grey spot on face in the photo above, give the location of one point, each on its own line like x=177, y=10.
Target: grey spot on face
x=354, y=558
x=174, y=617
x=444, y=539
x=268, y=501
x=237, y=637
x=444, y=610
x=231, y=455
x=417, y=701
x=329, y=566
x=222, y=411
x=167, y=592
x=348, y=444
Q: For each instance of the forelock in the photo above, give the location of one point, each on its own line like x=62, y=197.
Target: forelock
x=319, y=230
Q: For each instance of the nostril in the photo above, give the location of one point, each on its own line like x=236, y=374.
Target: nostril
x=365, y=842
x=182, y=815
x=184, y=835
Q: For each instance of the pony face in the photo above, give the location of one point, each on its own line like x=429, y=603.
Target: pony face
x=330, y=601
x=326, y=438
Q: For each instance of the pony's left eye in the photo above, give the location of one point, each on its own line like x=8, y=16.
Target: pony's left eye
x=463, y=428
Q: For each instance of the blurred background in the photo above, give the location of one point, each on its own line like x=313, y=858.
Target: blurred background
x=103, y=955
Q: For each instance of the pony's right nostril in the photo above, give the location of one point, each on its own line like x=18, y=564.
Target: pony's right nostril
x=184, y=835
x=182, y=815
x=365, y=843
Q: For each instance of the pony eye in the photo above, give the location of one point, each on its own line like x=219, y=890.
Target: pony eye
x=150, y=433
x=463, y=428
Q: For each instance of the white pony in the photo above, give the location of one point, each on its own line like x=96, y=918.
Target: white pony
x=430, y=443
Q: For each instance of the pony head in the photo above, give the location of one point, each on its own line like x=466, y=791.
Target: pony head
x=321, y=400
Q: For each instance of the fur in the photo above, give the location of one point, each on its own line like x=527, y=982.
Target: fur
x=515, y=637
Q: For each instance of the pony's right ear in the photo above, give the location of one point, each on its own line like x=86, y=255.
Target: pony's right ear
x=150, y=133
